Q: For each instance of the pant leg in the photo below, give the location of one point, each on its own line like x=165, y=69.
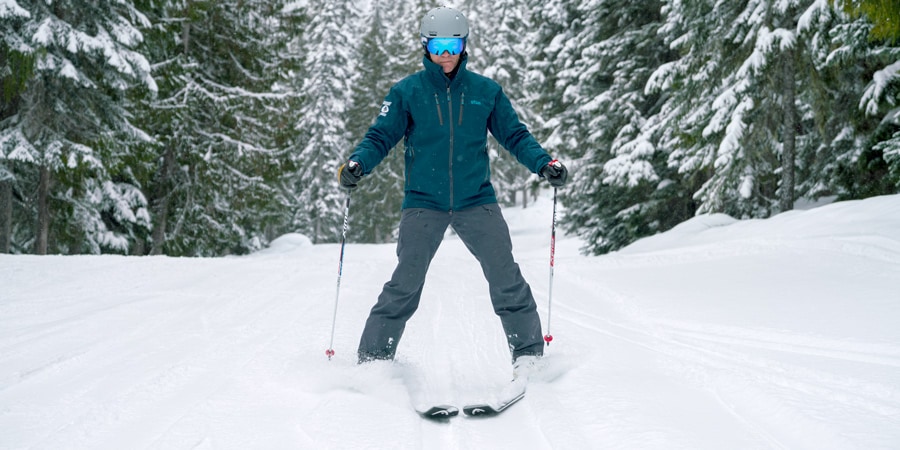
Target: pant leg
x=421, y=233
x=486, y=234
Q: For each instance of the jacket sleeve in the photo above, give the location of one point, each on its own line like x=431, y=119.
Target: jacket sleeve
x=510, y=132
x=383, y=135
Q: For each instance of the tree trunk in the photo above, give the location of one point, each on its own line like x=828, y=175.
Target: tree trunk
x=161, y=213
x=790, y=133
x=5, y=216
x=317, y=229
x=43, y=220
x=186, y=27
x=158, y=236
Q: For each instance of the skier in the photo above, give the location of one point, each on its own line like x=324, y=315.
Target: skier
x=444, y=113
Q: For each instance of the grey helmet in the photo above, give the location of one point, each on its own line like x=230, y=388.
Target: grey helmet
x=444, y=22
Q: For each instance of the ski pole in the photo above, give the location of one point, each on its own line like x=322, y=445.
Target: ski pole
x=549, y=337
x=330, y=351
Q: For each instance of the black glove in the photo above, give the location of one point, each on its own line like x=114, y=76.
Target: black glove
x=555, y=172
x=349, y=174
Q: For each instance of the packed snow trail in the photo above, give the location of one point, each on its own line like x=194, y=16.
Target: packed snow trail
x=718, y=334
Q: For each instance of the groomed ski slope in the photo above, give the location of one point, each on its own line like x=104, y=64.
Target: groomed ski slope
x=761, y=334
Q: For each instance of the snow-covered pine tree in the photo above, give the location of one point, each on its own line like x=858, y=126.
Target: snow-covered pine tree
x=856, y=90
x=556, y=23
x=624, y=188
x=16, y=68
x=67, y=133
x=283, y=111
x=326, y=79
x=725, y=124
x=880, y=101
x=216, y=126
x=882, y=13
x=389, y=51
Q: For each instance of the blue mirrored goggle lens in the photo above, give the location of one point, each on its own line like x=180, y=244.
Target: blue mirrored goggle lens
x=437, y=46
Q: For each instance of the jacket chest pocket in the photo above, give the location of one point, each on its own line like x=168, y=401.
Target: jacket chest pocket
x=472, y=110
x=430, y=112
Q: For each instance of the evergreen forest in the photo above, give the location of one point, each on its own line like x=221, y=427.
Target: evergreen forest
x=211, y=127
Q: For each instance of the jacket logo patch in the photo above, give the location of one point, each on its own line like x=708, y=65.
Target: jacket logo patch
x=474, y=102
x=385, y=109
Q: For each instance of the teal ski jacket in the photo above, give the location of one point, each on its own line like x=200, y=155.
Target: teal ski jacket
x=445, y=123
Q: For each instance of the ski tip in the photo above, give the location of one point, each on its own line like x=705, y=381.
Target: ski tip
x=480, y=411
x=439, y=412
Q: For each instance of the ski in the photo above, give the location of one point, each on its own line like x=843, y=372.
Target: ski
x=492, y=409
x=438, y=412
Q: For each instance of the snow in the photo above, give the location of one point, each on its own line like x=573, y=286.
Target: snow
x=10, y=8
x=812, y=13
x=777, y=333
x=876, y=90
x=294, y=6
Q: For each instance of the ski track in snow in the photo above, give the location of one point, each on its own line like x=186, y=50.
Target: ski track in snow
x=758, y=334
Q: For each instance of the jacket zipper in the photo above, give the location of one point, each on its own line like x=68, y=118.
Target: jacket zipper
x=462, y=102
x=437, y=104
x=450, y=115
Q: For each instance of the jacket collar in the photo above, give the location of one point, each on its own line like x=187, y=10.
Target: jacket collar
x=436, y=72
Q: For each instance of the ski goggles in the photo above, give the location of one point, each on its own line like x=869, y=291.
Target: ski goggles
x=437, y=46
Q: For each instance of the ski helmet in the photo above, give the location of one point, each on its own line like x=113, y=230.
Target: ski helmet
x=444, y=22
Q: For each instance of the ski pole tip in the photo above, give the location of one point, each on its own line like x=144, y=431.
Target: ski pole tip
x=329, y=353
x=548, y=338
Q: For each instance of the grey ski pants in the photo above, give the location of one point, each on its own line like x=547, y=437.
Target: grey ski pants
x=485, y=233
